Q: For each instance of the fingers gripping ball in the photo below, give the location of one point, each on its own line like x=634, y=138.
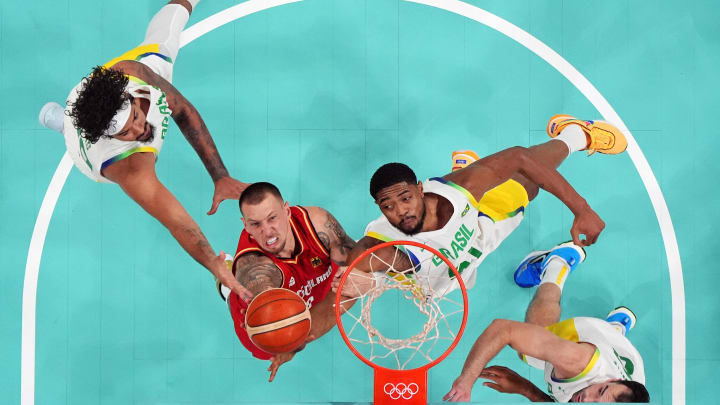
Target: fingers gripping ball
x=277, y=321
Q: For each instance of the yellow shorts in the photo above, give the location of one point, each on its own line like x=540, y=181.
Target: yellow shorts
x=149, y=55
x=504, y=201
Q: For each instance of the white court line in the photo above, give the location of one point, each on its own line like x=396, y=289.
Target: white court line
x=457, y=7
x=32, y=267
x=677, y=289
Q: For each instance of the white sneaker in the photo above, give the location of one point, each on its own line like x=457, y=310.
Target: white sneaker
x=52, y=116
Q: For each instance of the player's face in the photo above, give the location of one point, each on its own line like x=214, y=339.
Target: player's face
x=403, y=206
x=268, y=223
x=601, y=392
x=136, y=128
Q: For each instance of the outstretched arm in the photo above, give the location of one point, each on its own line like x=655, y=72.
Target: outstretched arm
x=136, y=175
x=568, y=358
x=493, y=170
x=193, y=128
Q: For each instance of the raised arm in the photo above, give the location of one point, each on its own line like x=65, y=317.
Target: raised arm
x=193, y=127
x=568, y=358
x=497, y=168
x=136, y=175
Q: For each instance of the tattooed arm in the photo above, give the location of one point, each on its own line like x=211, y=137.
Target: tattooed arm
x=136, y=175
x=193, y=127
x=257, y=272
x=331, y=234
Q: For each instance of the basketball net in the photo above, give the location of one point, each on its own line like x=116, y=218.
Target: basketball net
x=399, y=385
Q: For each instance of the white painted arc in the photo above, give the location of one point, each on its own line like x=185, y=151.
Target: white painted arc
x=457, y=7
x=32, y=267
x=228, y=15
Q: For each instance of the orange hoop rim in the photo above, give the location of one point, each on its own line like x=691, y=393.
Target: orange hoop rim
x=434, y=251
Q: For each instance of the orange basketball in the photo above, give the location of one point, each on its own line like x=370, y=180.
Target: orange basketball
x=277, y=321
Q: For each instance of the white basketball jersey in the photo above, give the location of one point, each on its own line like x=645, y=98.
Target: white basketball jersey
x=92, y=158
x=465, y=240
x=615, y=358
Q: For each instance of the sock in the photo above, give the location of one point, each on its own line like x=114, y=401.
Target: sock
x=193, y=3
x=556, y=272
x=574, y=137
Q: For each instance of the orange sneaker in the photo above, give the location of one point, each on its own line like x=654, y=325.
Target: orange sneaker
x=602, y=136
x=462, y=158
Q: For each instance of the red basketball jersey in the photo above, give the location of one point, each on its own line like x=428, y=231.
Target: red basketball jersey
x=308, y=273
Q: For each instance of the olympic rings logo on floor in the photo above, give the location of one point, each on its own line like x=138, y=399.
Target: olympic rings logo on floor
x=406, y=391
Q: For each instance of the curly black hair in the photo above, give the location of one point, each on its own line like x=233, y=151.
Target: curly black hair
x=101, y=95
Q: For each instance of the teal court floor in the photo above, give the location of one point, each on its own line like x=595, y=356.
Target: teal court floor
x=315, y=95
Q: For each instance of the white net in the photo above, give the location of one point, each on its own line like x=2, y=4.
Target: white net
x=396, y=297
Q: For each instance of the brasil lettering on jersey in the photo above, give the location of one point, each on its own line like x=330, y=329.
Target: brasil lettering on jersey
x=164, y=109
x=457, y=246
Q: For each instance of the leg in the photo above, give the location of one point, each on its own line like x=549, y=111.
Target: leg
x=551, y=154
x=544, y=309
x=166, y=25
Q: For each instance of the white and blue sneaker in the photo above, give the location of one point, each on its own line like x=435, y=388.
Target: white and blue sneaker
x=622, y=318
x=529, y=272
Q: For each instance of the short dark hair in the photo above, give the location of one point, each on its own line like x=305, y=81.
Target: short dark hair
x=389, y=174
x=256, y=192
x=638, y=393
x=100, y=96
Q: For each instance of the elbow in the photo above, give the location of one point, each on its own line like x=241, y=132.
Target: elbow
x=500, y=324
x=502, y=328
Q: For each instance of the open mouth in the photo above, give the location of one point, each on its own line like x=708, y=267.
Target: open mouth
x=271, y=242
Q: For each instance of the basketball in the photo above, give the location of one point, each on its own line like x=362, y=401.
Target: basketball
x=277, y=321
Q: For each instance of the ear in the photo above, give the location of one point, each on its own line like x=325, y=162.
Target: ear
x=286, y=207
x=420, y=187
x=243, y=222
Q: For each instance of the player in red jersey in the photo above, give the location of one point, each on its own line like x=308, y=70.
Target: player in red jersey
x=298, y=248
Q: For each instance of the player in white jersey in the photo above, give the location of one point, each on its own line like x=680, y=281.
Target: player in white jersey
x=115, y=123
x=585, y=359
x=467, y=213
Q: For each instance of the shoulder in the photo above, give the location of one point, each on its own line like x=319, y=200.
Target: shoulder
x=137, y=69
x=137, y=164
x=257, y=272
x=318, y=216
x=251, y=258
